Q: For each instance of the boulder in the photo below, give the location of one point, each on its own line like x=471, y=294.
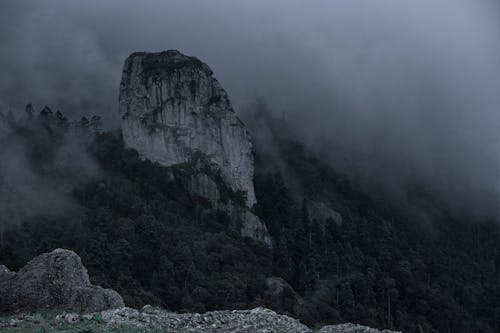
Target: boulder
x=54, y=280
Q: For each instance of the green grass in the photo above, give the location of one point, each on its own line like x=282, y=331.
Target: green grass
x=46, y=323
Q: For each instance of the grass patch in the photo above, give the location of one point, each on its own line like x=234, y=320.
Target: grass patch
x=46, y=323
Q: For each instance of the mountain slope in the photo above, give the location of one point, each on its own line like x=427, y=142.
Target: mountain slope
x=140, y=230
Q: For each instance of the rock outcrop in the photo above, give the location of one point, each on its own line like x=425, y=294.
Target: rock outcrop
x=251, y=226
x=55, y=280
x=235, y=321
x=171, y=107
x=174, y=112
x=241, y=321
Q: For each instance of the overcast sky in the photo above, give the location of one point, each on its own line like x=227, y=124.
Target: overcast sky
x=408, y=89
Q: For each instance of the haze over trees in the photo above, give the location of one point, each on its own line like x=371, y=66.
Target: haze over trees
x=141, y=232
x=375, y=159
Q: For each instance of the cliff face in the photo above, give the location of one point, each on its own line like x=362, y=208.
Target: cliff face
x=171, y=107
x=251, y=226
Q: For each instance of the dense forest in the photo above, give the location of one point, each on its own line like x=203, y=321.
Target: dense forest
x=140, y=231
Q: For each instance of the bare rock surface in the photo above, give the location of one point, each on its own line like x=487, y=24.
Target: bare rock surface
x=55, y=280
x=351, y=328
x=171, y=107
x=5, y=273
x=203, y=185
x=258, y=320
x=241, y=321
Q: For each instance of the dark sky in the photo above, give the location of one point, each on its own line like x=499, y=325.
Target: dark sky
x=408, y=90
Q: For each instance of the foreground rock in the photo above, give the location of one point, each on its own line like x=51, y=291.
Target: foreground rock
x=172, y=107
x=256, y=320
x=351, y=328
x=236, y=321
x=55, y=280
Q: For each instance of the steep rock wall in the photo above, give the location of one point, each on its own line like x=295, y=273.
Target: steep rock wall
x=171, y=106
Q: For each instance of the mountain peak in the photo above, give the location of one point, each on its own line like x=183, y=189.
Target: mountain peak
x=172, y=108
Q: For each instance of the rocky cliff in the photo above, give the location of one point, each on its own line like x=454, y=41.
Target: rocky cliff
x=173, y=111
x=171, y=107
x=54, y=280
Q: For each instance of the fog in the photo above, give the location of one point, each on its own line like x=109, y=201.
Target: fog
x=38, y=173
x=393, y=93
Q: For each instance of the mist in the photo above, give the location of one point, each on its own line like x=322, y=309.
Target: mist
x=39, y=170
x=393, y=93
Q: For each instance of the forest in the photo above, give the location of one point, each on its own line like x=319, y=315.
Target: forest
x=139, y=230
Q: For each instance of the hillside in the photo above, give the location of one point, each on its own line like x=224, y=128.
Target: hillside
x=57, y=281
x=140, y=231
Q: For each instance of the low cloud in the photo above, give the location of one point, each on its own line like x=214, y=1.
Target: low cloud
x=392, y=93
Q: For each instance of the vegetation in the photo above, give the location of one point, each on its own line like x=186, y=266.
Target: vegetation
x=47, y=323
x=140, y=231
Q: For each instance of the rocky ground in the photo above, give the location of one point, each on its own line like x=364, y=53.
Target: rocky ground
x=150, y=319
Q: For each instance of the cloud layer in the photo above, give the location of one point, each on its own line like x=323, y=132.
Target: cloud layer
x=392, y=92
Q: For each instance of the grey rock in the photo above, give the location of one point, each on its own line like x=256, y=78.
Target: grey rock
x=68, y=317
x=260, y=320
x=241, y=321
x=251, y=226
x=5, y=273
x=202, y=185
x=172, y=107
x=55, y=280
x=352, y=328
